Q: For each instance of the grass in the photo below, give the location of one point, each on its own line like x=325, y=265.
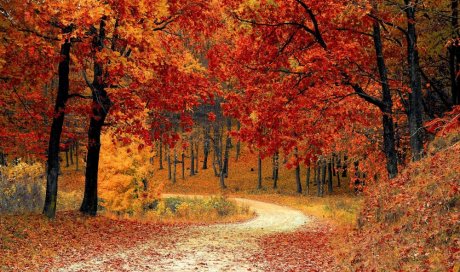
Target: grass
x=198, y=210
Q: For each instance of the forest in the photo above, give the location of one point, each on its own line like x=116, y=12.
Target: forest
x=238, y=135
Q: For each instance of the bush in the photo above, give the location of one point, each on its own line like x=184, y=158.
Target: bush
x=200, y=209
x=22, y=188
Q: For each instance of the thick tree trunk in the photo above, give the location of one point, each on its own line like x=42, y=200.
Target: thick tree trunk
x=415, y=97
x=454, y=55
x=389, y=146
x=206, y=147
x=100, y=109
x=52, y=170
x=307, y=180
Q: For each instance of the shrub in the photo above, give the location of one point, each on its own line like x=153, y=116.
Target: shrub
x=22, y=188
x=199, y=209
x=124, y=178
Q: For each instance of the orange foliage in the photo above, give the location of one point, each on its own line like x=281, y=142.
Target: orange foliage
x=412, y=222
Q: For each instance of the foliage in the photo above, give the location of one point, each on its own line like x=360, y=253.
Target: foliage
x=21, y=188
x=307, y=249
x=28, y=242
x=207, y=209
x=126, y=176
x=412, y=222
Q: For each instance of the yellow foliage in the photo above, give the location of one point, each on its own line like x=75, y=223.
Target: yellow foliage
x=124, y=177
x=22, y=171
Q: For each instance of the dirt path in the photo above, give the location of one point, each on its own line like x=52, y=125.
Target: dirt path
x=223, y=247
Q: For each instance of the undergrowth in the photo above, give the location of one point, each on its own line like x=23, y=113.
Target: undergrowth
x=412, y=223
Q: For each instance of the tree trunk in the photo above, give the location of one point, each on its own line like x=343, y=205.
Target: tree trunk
x=161, y=156
x=345, y=166
x=307, y=180
x=174, y=167
x=52, y=170
x=76, y=155
x=169, y=163
x=218, y=155
x=454, y=55
x=71, y=153
x=228, y=146
x=67, y=158
x=196, y=157
x=329, y=176
x=192, y=160
x=323, y=176
x=387, y=101
x=238, y=143
x=206, y=147
x=297, y=173
x=100, y=109
x=183, y=165
x=275, y=170
x=259, y=172
x=415, y=97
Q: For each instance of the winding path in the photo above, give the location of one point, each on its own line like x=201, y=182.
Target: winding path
x=222, y=247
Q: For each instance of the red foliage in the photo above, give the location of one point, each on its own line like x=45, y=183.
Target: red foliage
x=308, y=249
x=33, y=243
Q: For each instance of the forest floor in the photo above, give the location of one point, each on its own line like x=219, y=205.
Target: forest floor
x=279, y=238
x=246, y=246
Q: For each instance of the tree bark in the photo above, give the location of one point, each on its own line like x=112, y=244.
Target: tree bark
x=206, y=147
x=259, y=172
x=307, y=180
x=238, y=143
x=218, y=155
x=76, y=155
x=275, y=170
x=52, y=170
x=67, y=158
x=71, y=153
x=197, y=157
x=168, y=155
x=415, y=97
x=192, y=160
x=228, y=146
x=174, y=167
x=297, y=173
x=454, y=55
x=161, y=156
x=100, y=109
x=329, y=176
x=183, y=165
